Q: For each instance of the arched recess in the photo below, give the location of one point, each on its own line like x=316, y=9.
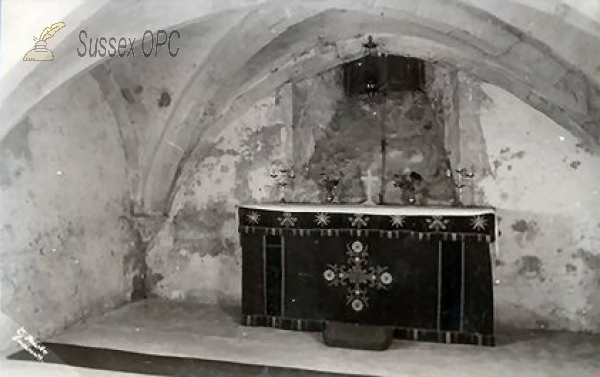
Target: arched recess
x=332, y=37
x=494, y=50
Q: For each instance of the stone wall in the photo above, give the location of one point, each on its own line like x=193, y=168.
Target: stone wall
x=66, y=244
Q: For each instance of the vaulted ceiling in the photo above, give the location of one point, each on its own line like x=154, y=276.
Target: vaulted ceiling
x=246, y=49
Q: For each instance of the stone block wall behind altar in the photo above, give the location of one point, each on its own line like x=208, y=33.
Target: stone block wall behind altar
x=547, y=270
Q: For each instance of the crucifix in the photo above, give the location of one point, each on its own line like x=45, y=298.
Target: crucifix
x=368, y=182
x=464, y=175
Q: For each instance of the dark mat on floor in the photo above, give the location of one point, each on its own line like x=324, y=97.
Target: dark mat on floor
x=133, y=362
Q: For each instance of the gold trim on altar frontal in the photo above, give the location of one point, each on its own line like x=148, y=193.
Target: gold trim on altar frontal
x=404, y=333
x=383, y=233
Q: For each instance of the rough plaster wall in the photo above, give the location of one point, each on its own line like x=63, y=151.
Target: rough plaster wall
x=64, y=243
x=415, y=142
x=341, y=137
x=315, y=103
x=351, y=144
x=547, y=192
x=152, y=87
x=196, y=255
x=442, y=86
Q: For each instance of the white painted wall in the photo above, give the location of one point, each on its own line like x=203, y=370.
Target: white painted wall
x=65, y=248
x=590, y=8
x=547, y=192
x=24, y=19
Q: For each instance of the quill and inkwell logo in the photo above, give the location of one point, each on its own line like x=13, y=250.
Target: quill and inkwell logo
x=40, y=52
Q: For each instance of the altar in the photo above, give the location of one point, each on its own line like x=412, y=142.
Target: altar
x=423, y=271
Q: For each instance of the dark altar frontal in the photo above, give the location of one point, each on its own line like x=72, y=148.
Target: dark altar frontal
x=424, y=271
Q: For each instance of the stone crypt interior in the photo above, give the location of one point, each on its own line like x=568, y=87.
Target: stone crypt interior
x=301, y=176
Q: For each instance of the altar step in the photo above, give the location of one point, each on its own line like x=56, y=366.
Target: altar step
x=148, y=364
x=181, y=331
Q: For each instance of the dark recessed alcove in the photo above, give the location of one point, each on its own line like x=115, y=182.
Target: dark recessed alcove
x=391, y=73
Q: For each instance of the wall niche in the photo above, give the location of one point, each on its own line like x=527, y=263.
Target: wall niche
x=341, y=130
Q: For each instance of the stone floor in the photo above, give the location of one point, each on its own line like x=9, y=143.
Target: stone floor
x=212, y=333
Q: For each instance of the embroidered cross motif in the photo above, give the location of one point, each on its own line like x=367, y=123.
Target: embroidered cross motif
x=287, y=220
x=357, y=275
x=437, y=223
x=358, y=220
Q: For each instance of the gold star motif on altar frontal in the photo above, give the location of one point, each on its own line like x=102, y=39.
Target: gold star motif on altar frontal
x=253, y=218
x=397, y=221
x=478, y=222
x=322, y=219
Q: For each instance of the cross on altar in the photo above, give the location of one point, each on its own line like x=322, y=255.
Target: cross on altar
x=464, y=175
x=368, y=182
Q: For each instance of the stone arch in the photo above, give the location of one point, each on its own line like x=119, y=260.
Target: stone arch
x=308, y=49
x=494, y=42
